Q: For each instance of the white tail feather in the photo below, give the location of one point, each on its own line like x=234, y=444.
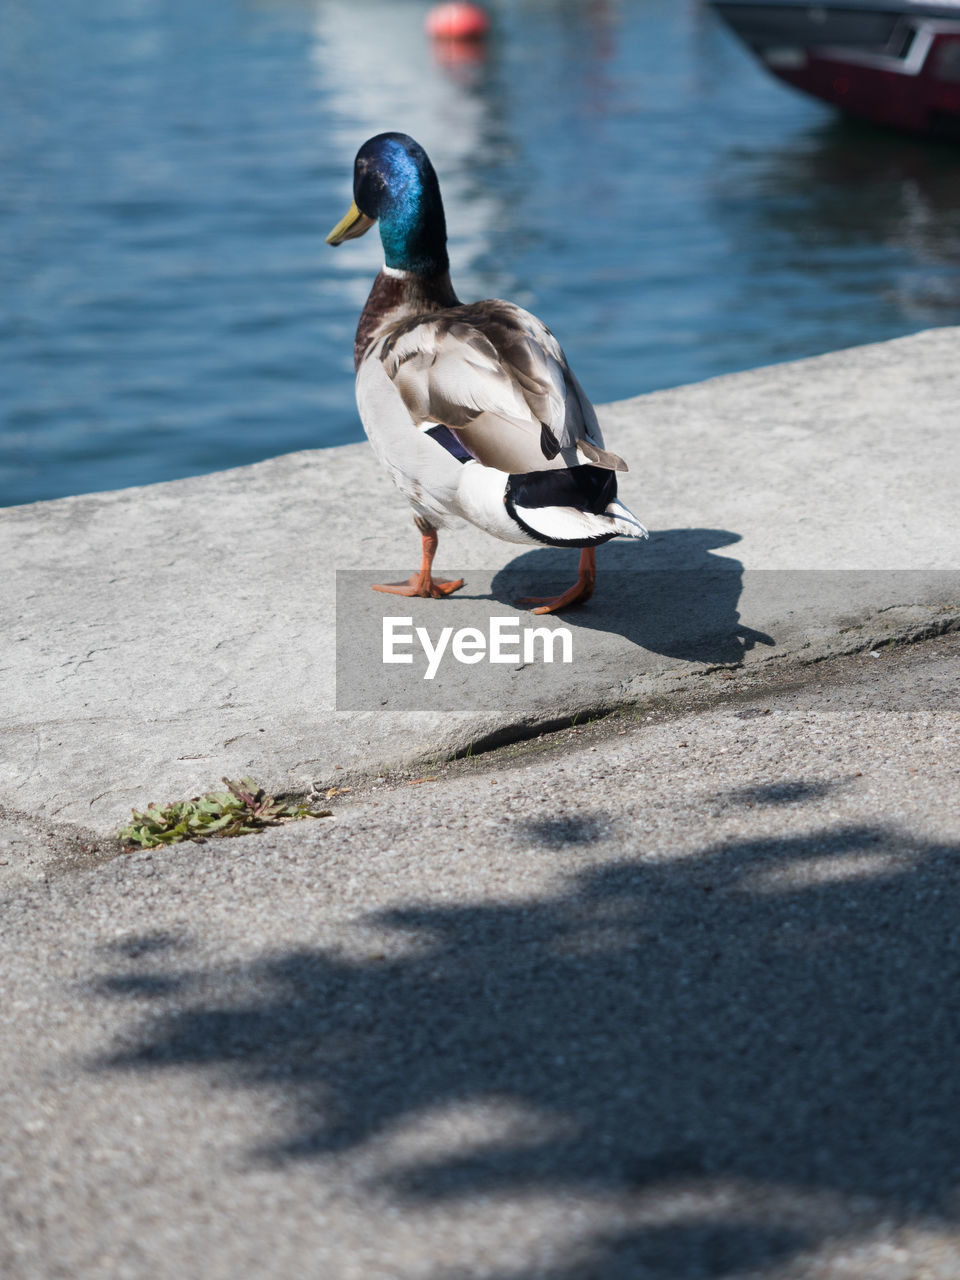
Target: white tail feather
x=627, y=523
x=568, y=524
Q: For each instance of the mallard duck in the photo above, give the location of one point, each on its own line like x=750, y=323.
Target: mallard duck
x=471, y=407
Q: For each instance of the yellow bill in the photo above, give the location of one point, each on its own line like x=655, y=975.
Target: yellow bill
x=354, y=224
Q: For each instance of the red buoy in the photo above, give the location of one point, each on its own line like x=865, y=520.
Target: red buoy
x=457, y=22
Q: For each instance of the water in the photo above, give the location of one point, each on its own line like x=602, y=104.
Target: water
x=168, y=306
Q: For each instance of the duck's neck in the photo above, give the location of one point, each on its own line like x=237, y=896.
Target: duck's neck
x=396, y=295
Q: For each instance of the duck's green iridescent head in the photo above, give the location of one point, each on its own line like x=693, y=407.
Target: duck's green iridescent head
x=394, y=184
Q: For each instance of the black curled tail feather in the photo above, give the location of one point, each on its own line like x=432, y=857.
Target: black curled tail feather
x=585, y=487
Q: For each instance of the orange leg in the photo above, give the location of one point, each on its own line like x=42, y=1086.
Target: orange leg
x=579, y=593
x=423, y=583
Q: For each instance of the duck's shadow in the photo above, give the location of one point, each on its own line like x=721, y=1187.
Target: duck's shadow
x=669, y=595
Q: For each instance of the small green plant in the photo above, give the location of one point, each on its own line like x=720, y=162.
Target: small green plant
x=240, y=810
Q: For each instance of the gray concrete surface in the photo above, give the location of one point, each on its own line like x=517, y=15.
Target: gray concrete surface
x=29, y=845
x=671, y=995
x=154, y=640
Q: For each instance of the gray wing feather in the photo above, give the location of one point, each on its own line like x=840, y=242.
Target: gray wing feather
x=497, y=376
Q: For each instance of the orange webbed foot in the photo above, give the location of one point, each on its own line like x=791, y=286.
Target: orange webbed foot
x=431, y=588
x=423, y=584
x=579, y=593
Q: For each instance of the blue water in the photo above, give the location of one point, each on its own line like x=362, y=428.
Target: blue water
x=168, y=171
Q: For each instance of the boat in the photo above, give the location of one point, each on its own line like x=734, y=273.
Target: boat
x=892, y=62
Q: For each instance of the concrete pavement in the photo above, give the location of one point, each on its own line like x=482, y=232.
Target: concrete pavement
x=153, y=640
x=665, y=995
x=670, y=995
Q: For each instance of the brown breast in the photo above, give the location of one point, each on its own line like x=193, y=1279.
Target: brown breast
x=394, y=298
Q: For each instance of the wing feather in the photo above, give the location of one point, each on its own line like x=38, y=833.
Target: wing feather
x=498, y=377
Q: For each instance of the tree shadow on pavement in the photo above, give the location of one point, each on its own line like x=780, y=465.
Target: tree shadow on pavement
x=777, y=1014
x=669, y=595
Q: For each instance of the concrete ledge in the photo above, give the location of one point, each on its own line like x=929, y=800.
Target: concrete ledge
x=155, y=639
